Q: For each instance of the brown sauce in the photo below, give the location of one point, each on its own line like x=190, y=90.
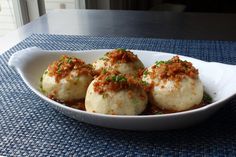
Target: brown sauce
x=153, y=109
x=150, y=109
x=78, y=104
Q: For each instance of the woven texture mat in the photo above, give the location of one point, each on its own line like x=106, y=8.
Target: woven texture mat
x=30, y=127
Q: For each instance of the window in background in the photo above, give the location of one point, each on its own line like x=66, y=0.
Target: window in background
x=64, y=4
x=7, y=17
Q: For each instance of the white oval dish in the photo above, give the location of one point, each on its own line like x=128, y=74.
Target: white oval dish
x=217, y=78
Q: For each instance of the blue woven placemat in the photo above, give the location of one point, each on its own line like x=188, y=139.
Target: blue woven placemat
x=30, y=127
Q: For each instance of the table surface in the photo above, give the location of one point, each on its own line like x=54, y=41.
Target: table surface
x=129, y=24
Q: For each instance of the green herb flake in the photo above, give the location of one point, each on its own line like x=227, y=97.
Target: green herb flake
x=108, y=78
x=69, y=60
x=113, y=78
x=60, y=64
x=104, y=71
x=158, y=63
x=59, y=70
x=123, y=79
x=41, y=89
x=103, y=58
x=145, y=83
x=207, y=97
x=120, y=78
x=145, y=73
x=45, y=72
x=116, y=78
x=41, y=78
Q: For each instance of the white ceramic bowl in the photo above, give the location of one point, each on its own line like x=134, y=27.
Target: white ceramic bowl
x=218, y=80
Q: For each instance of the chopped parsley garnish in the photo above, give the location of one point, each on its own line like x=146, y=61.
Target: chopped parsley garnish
x=60, y=64
x=145, y=73
x=207, y=98
x=145, y=83
x=69, y=60
x=59, y=70
x=41, y=89
x=46, y=71
x=104, y=71
x=108, y=78
x=116, y=78
x=158, y=63
x=103, y=58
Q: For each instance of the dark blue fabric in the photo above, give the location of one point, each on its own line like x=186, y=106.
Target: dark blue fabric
x=30, y=127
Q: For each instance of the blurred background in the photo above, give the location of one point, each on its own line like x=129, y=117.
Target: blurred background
x=15, y=13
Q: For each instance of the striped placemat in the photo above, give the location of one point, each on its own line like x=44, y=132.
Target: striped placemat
x=30, y=127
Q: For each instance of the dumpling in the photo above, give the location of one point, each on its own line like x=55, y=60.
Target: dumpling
x=116, y=94
x=67, y=79
x=120, y=60
x=175, y=85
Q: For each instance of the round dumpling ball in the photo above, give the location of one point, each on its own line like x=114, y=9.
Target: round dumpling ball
x=175, y=85
x=121, y=60
x=67, y=79
x=116, y=94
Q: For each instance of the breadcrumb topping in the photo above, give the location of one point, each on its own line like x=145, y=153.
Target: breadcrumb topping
x=62, y=68
x=173, y=69
x=114, y=81
x=121, y=56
